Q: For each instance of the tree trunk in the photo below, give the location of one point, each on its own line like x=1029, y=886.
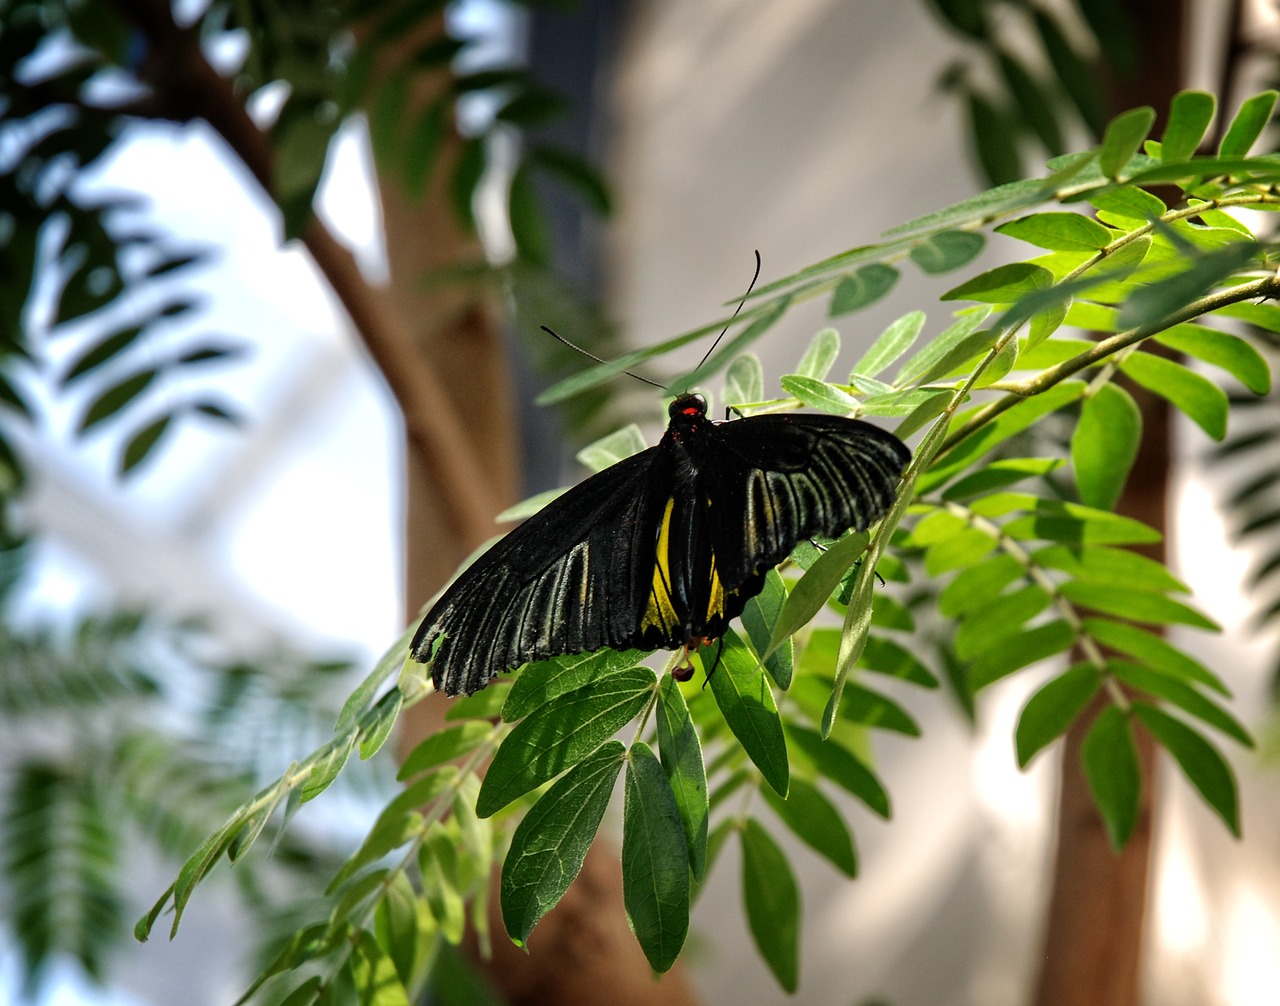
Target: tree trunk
x=584, y=953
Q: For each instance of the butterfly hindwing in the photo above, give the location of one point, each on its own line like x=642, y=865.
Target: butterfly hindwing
x=568, y=580
x=780, y=479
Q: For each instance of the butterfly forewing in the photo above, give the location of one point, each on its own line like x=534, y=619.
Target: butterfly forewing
x=663, y=549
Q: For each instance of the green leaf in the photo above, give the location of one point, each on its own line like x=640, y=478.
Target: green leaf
x=810, y=593
x=1010, y=653
x=979, y=585
x=1153, y=651
x=100, y=352
x=1078, y=77
x=116, y=397
x=1037, y=110
x=325, y=768
x=1153, y=303
x=438, y=866
x=998, y=474
x=746, y=701
x=445, y=745
x=759, y=617
x=1001, y=617
x=819, y=395
x=928, y=358
x=867, y=708
x=545, y=681
x=1110, y=762
x=575, y=173
x=1199, y=760
x=374, y=975
x=1114, y=566
x=926, y=407
x=1047, y=321
x=681, y=754
x=610, y=449
x=772, y=899
x=969, y=545
x=1002, y=285
x=1182, y=695
x=528, y=507
x=993, y=134
x=655, y=861
x=301, y=144
x=422, y=149
x=1053, y=708
x=1135, y=605
x=842, y=767
x=530, y=229
x=1123, y=138
x=862, y=288
x=891, y=344
x=1247, y=125
x=744, y=380
x=142, y=443
x=947, y=250
x=1105, y=444
x=375, y=726
x=562, y=733
x=1196, y=397
x=1130, y=202
x=821, y=354
x=1230, y=352
x=1058, y=231
x=1190, y=113
x=385, y=115
x=467, y=172
x=552, y=839
x=1077, y=525
x=974, y=210
x=886, y=657
x=815, y=820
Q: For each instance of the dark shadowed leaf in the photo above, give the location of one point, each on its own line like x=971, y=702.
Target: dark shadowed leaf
x=655, y=861
x=772, y=899
x=1110, y=762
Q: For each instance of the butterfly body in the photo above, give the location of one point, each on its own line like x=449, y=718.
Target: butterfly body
x=663, y=549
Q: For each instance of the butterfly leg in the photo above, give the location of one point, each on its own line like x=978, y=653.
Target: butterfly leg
x=719, y=651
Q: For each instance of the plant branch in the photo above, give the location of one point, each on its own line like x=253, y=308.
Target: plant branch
x=1261, y=288
x=176, y=66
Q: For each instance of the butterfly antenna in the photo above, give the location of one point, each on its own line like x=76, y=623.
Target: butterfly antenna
x=592, y=356
x=751, y=287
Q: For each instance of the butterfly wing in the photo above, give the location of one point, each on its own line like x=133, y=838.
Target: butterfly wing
x=780, y=479
x=573, y=578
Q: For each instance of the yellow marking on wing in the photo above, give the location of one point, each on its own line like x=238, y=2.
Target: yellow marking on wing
x=716, y=605
x=661, y=613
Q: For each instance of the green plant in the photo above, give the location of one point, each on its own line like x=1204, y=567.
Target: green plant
x=1028, y=575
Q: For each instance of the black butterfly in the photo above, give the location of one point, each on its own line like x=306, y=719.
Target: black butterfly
x=664, y=549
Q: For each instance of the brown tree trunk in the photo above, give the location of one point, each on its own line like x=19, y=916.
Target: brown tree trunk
x=583, y=952
x=1093, y=940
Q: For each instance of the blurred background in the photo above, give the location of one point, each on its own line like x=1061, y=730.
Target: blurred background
x=216, y=518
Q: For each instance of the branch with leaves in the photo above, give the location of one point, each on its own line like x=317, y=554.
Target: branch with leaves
x=788, y=715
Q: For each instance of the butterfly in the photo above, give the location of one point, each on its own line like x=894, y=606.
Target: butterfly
x=663, y=549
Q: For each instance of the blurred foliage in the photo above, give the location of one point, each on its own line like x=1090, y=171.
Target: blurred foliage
x=126, y=733
x=107, y=719
x=1032, y=77
x=82, y=281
